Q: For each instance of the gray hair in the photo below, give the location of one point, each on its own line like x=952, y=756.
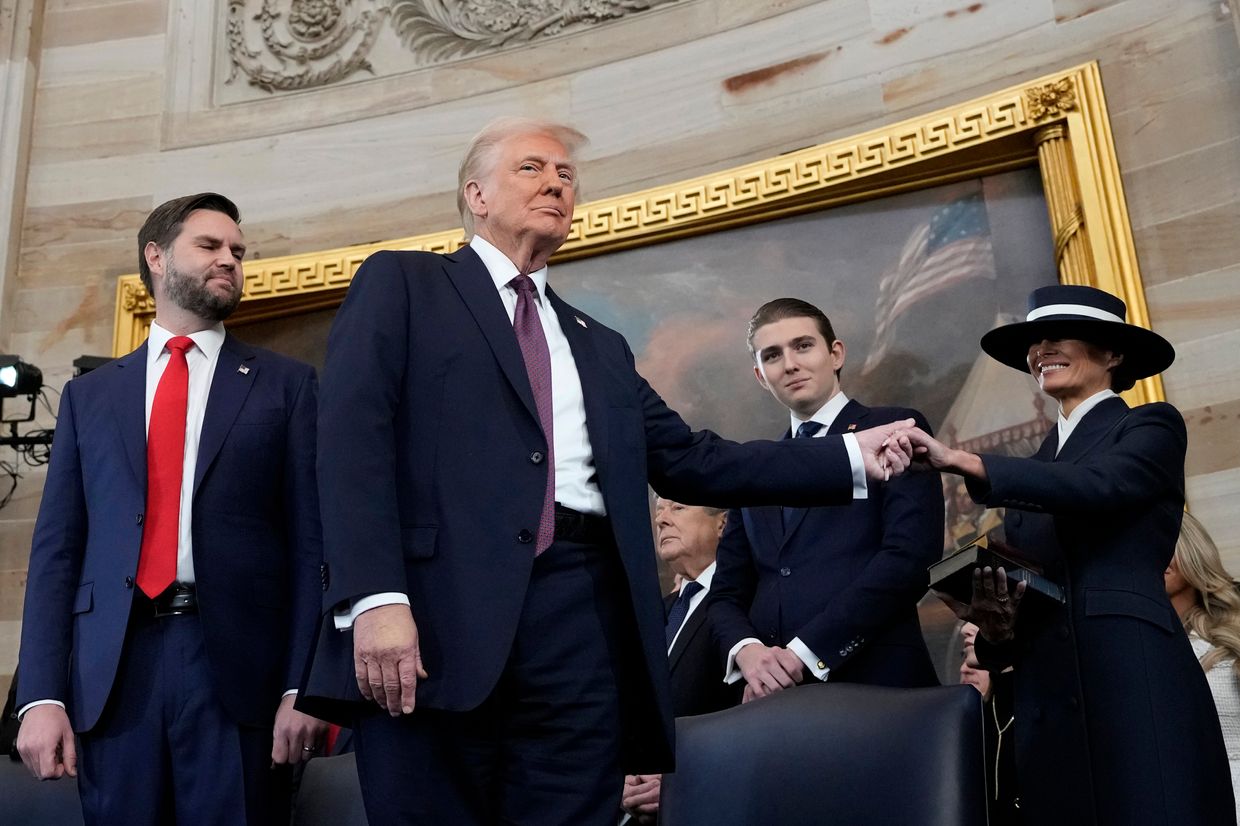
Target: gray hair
x=480, y=154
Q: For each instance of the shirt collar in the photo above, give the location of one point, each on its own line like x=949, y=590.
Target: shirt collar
x=1067, y=424
x=501, y=268
x=705, y=577
x=209, y=341
x=825, y=414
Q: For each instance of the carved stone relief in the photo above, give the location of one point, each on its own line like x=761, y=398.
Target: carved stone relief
x=287, y=45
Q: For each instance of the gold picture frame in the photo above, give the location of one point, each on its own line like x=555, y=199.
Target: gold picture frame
x=1058, y=122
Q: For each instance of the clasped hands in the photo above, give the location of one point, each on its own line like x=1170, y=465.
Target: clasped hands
x=768, y=669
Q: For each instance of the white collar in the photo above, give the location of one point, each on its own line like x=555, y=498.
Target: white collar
x=209, y=341
x=825, y=415
x=1067, y=424
x=705, y=577
x=502, y=269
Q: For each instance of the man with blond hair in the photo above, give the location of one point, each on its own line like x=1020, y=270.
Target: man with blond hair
x=485, y=453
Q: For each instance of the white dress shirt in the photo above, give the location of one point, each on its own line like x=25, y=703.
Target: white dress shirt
x=1067, y=424
x=825, y=416
x=697, y=599
x=201, y=359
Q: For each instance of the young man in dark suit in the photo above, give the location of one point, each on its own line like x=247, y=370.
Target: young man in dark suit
x=174, y=587
x=824, y=593
x=686, y=537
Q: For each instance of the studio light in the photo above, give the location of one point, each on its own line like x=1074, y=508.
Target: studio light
x=17, y=378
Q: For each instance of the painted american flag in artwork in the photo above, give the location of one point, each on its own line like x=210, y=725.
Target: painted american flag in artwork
x=954, y=245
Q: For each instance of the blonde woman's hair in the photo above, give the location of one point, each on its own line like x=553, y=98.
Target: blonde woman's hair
x=1215, y=615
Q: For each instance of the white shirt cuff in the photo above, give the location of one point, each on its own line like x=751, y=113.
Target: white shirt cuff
x=860, y=487
x=732, y=674
x=22, y=711
x=290, y=691
x=816, y=666
x=344, y=618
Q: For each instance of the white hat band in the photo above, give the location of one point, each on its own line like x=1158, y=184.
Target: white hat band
x=1072, y=309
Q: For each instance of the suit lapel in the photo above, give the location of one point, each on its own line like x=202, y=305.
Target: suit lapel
x=472, y=280
x=1093, y=427
x=592, y=378
x=691, y=626
x=129, y=407
x=849, y=420
x=229, y=387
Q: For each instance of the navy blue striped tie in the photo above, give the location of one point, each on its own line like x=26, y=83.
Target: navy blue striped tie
x=680, y=609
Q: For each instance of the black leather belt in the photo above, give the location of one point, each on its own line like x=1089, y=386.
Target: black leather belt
x=174, y=602
x=575, y=526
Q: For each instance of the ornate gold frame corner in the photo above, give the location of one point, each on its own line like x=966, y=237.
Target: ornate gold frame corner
x=1058, y=122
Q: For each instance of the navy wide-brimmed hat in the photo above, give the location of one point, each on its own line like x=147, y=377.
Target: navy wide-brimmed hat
x=1085, y=313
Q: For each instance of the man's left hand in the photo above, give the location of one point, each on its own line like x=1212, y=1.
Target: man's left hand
x=641, y=796
x=296, y=737
x=885, y=453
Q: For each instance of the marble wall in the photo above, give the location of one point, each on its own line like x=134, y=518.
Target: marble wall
x=108, y=107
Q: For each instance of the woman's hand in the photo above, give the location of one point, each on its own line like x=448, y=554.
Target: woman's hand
x=993, y=608
x=939, y=456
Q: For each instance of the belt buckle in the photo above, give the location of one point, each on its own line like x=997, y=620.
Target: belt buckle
x=180, y=602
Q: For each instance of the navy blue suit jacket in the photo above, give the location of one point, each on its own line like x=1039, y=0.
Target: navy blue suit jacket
x=432, y=477
x=1115, y=723
x=696, y=667
x=257, y=543
x=844, y=579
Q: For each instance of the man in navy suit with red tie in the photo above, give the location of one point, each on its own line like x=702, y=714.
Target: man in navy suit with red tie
x=484, y=454
x=825, y=593
x=174, y=580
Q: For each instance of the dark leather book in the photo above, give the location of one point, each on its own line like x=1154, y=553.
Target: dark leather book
x=953, y=575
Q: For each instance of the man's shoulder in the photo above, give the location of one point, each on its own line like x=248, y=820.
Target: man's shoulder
x=885, y=415
x=269, y=359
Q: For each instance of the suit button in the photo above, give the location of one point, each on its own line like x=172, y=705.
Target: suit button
x=525, y=537
x=128, y=582
x=1074, y=703
x=1062, y=632
x=843, y=652
x=771, y=636
x=138, y=519
x=536, y=457
x=785, y=572
x=1016, y=518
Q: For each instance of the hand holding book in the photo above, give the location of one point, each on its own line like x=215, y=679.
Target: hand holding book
x=993, y=607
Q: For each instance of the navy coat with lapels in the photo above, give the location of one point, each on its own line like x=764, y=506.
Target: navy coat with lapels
x=1114, y=721
x=256, y=536
x=844, y=579
x=696, y=667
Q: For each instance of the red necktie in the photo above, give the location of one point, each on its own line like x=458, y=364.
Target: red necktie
x=537, y=357
x=165, y=460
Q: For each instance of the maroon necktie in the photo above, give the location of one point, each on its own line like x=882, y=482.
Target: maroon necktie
x=165, y=461
x=537, y=357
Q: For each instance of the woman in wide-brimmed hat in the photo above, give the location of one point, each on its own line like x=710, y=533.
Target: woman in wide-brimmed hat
x=1113, y=718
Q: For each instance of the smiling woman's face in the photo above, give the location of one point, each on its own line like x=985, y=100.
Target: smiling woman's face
x=1071, y=370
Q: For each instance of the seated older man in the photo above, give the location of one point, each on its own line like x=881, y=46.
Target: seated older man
x=685, y=538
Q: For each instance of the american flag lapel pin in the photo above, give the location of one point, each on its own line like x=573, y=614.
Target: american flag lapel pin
x=852, y=427
x=579, y=321
x=243, y=370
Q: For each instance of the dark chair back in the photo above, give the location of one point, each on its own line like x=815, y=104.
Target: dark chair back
x=33, y=802
x=329, y=794
x=833, y=754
